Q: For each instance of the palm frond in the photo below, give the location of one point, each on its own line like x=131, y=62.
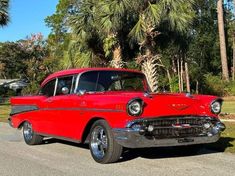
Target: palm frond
x=153, y=13
x=4, y=15
x=110, y=13
x=138, y=31
x=178, y=13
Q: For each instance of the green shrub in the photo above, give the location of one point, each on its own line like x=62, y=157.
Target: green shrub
x=213, y=85
x=31, y=89
x=231, y=89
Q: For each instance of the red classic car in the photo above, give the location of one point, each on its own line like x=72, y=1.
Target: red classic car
x=114, y=108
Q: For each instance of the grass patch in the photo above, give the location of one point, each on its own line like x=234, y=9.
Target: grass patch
x=4, y=112
x=228, y=106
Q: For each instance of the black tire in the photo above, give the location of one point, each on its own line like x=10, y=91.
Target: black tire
x=104, y=149
x=30, y=137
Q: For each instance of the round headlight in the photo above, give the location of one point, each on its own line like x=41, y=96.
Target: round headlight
x=134, y=107
x=216, y=107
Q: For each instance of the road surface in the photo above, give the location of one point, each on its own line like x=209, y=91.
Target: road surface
x=62, y=158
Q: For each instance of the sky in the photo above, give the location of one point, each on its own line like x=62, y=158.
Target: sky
x=27, y=17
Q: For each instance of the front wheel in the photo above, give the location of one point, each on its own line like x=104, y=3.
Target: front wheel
x=104, y=149
x=30, y=137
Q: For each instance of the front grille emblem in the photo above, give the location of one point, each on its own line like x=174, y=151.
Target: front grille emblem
x=177, y=125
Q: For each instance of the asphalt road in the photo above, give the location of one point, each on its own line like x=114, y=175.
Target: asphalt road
x=62, y=158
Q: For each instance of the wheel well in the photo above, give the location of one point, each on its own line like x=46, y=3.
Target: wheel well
x=86, y=132
x=21, y=125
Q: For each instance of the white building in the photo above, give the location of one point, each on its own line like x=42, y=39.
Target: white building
x=14, y=84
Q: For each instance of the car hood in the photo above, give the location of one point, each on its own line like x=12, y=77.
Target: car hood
x=169, y=104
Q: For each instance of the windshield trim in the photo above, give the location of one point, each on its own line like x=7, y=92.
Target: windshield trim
x=146, y=86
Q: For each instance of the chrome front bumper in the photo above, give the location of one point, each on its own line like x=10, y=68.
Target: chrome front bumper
x=146, y=133
x=133, y=139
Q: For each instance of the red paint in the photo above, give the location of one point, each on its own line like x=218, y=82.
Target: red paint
x=68, y=115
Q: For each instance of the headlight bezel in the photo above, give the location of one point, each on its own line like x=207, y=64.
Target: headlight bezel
x=212, y=108
x=131, y=102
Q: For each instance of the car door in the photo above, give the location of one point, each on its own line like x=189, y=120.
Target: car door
x=72, y=107
x=45, y=122
x=64, y=108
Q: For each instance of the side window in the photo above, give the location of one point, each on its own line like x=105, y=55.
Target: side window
x=88, y=82
x=64, y=82
x=48, y=89
x=133, y=83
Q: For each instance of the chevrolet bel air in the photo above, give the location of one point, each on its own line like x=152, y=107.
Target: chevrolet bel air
x=114, y=108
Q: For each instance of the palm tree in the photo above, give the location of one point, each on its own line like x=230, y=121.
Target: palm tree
x=87, y=40
x=151, y=14
x=112, y=19
x=105, y=21
x=4, y=16
x=223, y=52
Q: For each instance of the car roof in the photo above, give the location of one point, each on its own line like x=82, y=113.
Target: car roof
x=81, y=70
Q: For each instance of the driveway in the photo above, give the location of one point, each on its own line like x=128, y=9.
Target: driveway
x=57, y=158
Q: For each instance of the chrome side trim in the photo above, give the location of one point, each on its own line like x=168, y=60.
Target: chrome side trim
x=56, y=83
x=27, y=108
x=72, y=85
x=16, y=109
x=59, y=137
x=82, y=109
x=77, y=81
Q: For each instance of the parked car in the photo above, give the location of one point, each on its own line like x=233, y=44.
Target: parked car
x=114, y=108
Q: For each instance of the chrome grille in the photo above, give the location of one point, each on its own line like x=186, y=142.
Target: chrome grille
x=178, y=127
x=178, y=120
x=181, y=132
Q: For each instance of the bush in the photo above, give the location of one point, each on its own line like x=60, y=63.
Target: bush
x=231, y=89
x=6, y=92
x=31, y=89
x=215, y=86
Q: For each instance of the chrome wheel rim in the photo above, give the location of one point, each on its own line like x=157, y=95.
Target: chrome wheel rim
x=28, y=131
x=99, y=142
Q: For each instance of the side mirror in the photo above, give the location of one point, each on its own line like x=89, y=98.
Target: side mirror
x=65, y=91
x=81, y=92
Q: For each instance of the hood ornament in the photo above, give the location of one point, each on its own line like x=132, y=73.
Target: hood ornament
x=189, y=95
x=147, y=94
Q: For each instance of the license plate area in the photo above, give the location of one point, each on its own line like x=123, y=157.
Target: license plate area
x=185, y=140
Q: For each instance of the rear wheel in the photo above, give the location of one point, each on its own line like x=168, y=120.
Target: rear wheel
x=104, y=149
x=30, y=137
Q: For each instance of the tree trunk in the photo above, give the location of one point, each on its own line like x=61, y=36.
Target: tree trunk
x=169, y=79
x=223, y=52
x=117, y=57
x=233, y=71
x=187, y=77
x=181, y=75
x=149, y=68
x=179, y=78
x=197, y=85
x=173, y=65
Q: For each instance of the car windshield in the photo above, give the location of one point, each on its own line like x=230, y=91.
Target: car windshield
x=100, y=81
